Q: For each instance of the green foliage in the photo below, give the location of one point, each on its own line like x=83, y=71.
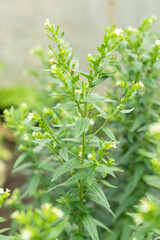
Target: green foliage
x=70, y=149
x=139, y=56
x=3, y=195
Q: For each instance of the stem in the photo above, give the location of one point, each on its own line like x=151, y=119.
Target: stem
x=81, y=184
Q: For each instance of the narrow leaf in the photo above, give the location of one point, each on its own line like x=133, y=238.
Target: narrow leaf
x=81, y=126
x=67, y=166
x=109, y=133
x=64, y=153
x=127, y=110
x=91, y=227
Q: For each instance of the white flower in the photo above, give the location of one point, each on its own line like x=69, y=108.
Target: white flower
x=58, y=212
x=89, y=55
x=45, y=110
x=134, y=238
x=15, y=214
x=46, y=22
x=141, y=84
x=132, y=29
x=46, y=206
x=26, y=234
x=1, y=190
x=34, y=134
x=24, y=105
x=154, y=128
x=138, y=219
x=118, y=31
x=78, y=91
x=8, y=190
x=91, y=122
x=157, y=42
x=30, y=116
x=90, y=155
x=145, y=207
x=114, y=145
x=26, y=138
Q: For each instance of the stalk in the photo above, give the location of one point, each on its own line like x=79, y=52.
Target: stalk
x=81, y=183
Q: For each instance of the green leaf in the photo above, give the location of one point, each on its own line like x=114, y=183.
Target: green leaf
x=2, y=219
x=71, y=180
x=145, y=153
x=65, y=105
x=67, y=166
x=4, y=230
x=100, y=224
x=75, y=79
x=96, y=98
x=63, y=152
x=81, y=125
x=34, y=182
x=20, y=159
x=43, y=162
x=22, y=167
x=90, y=178
x=127, y=110
x=108, y=184
x=109, y=133
x=91, y=227
x=104, y=168
x=102, y=113
x=86, y=75
x=3, y=237
x=153, y=181
x=138, y=122
x=99, y=80
x=97, y=190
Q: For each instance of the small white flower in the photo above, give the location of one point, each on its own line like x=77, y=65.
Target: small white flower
x=34, y=134
x=58, y=212
x=8, y=190
x=15, y=214
x=118, y=31
x=130, y=28
x=46, y=22
x=90, y=155
x=45, y=110
x=78, y=91
x=114, y=145
x=154, y=128
x=157, y=42
x=30, y=116
x=141, y=84
x=134, y=238
x=26, y=234
x=91, y=122
x=46, y=206
x=24, y=105
x=89, y=55
x=25, y=137
x=145, y=207
x=138, y=219
x=1, y=191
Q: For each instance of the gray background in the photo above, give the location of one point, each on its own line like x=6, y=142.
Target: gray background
x=22, y=28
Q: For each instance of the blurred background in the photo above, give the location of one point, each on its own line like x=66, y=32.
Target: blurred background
x=22, y=28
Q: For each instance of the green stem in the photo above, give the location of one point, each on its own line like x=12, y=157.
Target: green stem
x=81, y=183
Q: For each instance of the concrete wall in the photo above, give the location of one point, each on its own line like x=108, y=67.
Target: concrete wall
x=82, y=20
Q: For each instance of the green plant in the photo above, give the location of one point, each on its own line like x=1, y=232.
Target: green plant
x=64, y=154
x=139, y=57
x=3, y=195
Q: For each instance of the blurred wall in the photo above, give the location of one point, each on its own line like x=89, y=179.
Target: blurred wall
x=83, y=21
